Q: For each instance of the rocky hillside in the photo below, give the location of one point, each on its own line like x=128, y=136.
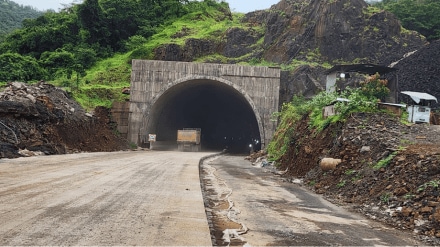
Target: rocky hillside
x=307, y=35
x=43, y=119
x=420, y=71
x=343, y=30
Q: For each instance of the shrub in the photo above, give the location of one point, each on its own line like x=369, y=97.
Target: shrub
x=362, y=99
x=373, y=86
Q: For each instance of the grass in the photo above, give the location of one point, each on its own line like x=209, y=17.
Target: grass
x=92, y=96
x=408, y=196
x=405, y=142
x=102, y=83
x=3, y=85
x=356, y=178
x=112, y=71
x=341, y=184
x=350, y=172
x=384, y=162
x=385, y=197
x=433, y=183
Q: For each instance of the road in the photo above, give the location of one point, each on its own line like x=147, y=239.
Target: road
x=154, y=198
x=266, y=211
x=121, y=198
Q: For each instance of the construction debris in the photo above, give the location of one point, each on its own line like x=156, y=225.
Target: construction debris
x=43, y=119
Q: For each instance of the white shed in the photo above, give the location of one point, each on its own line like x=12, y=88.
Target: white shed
x=420, y=113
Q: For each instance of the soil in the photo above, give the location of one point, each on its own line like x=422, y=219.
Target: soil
x=43, y=119
x=390, y=171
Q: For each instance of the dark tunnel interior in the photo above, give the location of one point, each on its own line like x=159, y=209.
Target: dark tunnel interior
x=226, y=119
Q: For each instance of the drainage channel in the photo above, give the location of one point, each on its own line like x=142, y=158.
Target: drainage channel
x=220, y=211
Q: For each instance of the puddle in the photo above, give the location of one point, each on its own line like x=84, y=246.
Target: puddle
x=220, y=210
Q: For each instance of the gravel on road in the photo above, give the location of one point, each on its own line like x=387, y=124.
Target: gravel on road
x=121, y=198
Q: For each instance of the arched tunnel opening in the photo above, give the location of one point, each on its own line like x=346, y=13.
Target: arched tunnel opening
x=225, y=117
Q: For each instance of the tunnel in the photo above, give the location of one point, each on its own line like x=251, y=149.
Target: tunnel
x=225, y=117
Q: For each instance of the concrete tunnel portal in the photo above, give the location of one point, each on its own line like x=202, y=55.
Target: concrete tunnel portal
x=231, y=104
x=225, y=117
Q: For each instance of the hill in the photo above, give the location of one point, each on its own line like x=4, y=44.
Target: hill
x=299, y=36
x=13, y=14
x=420, y=71
x=389, y=171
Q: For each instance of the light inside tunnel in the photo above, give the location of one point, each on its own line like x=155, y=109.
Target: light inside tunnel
x=225, y=117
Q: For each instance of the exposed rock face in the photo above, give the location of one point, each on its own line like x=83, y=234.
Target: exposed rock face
x=341, y=30
x=337, y=32
x=192, y=49
x=238, y=42
x=310, y=31
x=302, y=81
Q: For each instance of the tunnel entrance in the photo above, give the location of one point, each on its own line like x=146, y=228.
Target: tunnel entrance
x=225, y=117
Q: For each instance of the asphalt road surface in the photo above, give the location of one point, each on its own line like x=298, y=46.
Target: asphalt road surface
x=269, y=212
x=121, y=198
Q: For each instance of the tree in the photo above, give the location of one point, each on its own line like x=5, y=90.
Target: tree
x=57, y=62
x=15, y=67
x=84, y=56
x=45, y=33
x=422, y=16
x=92, y=21
x=12, y=15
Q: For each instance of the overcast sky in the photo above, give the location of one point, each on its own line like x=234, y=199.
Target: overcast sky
x=243, y=6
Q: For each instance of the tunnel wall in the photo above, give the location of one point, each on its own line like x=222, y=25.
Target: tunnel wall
x=150, y=79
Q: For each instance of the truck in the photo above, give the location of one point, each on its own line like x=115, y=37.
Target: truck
x=188, y=139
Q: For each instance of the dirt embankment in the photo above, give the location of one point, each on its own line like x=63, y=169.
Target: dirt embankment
x=389, y=171
x=44, y=119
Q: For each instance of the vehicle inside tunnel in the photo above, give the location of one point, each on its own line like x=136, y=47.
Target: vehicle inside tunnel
x=225, y=117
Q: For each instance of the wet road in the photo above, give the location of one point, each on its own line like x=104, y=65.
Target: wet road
x=267, y=211
x=122, y=198
x=154, y=198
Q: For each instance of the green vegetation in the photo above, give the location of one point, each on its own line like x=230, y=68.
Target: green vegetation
x=385, y=197
x=363, y=99
x=405, y=142
x=17, y=67
x=357, y=177
x=404, y=117
x=350, y=172
x=384, y=162
x=12, y=15
x=422, y=16
x=409, y=196
x=433, y=183
x=87, y=48
x=133, y=146
x=341, y=184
